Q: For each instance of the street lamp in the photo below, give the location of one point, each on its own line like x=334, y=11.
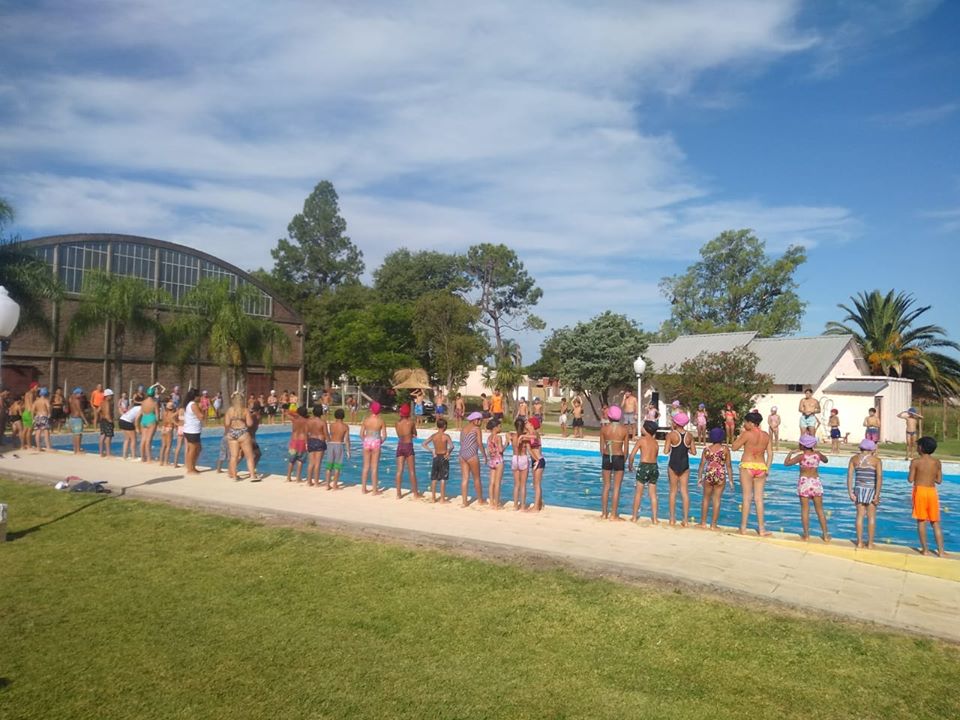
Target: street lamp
x=639, y=367
x=9, y=316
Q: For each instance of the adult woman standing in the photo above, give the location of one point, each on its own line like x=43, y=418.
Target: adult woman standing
x=237, y=420
x=192, y=427
x=679, y=446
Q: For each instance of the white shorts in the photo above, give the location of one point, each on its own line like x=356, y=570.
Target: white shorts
x=563, y=418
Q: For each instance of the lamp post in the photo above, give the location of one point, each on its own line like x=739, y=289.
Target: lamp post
x=639, y=367
x=9, y=316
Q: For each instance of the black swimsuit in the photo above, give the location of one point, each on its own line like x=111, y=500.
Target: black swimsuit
x=680, y=456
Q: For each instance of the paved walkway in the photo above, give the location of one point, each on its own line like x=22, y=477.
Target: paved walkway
x=893, y=587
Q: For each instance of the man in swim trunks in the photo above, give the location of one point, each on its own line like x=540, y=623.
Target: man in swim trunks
x=809, y=410
x=338, y=443
x=629, y=407
x=406, y=432
x=754, y=468
x=614, y=442
x=912, y=418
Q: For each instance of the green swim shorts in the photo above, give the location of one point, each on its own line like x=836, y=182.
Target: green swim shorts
x=648, y=473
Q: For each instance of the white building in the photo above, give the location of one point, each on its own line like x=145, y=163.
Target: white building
x=830, y=365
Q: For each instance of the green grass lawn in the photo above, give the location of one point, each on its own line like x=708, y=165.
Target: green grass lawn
x=122, y=609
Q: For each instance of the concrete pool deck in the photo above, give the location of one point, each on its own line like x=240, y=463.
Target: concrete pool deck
x=894, y=587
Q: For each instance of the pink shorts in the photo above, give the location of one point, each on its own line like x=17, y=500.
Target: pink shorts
x=520, y=462
x=809, y=487
x=372, y=443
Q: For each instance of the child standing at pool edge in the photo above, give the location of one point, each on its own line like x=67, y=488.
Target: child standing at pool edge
x=647, y=472
x=442, y=447
x=715, y=471
x=925, y=474
x=864, y=481
x=809, y=486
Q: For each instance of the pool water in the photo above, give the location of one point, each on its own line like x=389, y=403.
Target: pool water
x=572, y=479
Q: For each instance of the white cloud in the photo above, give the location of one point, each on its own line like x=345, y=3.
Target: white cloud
x=441, y=126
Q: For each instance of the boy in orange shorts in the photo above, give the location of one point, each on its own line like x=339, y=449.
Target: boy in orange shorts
x=925, y=474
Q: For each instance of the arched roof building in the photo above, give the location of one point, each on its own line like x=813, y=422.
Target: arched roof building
x=173, y=268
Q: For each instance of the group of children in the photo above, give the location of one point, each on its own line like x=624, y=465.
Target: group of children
x=313, y=441
x=715, y=473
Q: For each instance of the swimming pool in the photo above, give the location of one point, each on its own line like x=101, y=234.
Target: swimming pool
x=572, y=479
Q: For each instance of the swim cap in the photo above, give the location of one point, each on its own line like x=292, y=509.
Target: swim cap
x=151, y=391
x=868, y=445
x=701, y=406
x=773, y=409
x=43, y=392
x=834, y=412
x=681, y=419
x=717, y=435
x=534, y=422
x=108, y=392
x=474, y=416
x=405, y=410
x=675, y=403
x=375, y=407
x=614, y=412
x=78, y=391
x=808, y=441
x=754, y=417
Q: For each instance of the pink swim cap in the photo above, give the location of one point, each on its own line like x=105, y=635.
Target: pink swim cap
x=681, y=419
x=614, y=412
x=375, y=407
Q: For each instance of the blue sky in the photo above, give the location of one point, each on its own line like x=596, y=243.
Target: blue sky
x=605, y=142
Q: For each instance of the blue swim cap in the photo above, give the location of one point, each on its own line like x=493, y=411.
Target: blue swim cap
x=43, y=392
x=78, y=391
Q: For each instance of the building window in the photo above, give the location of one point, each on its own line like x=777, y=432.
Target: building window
x=179, y=273
x=795, y=388
x=77, y=259
x=133, y=260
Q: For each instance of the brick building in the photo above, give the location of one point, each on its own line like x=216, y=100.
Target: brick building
x=34, y=356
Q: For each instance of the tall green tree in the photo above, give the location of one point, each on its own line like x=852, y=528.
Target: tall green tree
x=127, y=306
x=736, y=286
x=317, y=254
x=885, y=327
x=445, y=327
x=503, y=290
x=212, y=321
x=404, y=276
x=26, y=276
x=598, y=355
x=714, y=379
x=352, y=332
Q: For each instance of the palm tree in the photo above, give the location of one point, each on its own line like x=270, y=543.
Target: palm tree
x=127, y=306
x=26, y=277
x=214, y=322
x=883, y=326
